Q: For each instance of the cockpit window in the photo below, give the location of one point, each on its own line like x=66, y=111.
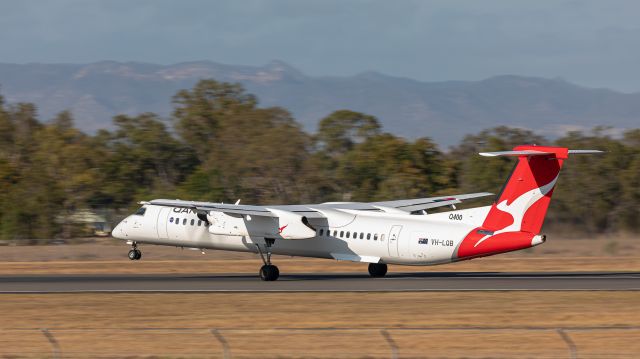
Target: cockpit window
x=140, y=211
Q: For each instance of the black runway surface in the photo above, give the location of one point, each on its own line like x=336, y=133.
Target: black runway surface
x=334, y=282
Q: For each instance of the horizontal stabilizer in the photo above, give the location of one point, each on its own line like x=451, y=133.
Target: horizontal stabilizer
x=536, y=153
x=584, y=152
x=515, y=153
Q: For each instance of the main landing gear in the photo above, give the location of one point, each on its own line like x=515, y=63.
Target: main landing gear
x=135, y=254
x=268, y=272
x=377, y=270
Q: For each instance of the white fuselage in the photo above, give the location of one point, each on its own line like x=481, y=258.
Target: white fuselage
x=359, y=236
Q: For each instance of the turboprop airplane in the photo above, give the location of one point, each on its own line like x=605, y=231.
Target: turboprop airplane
x=377, y=233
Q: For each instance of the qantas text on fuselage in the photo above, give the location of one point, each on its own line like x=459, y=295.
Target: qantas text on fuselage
x=377, y=233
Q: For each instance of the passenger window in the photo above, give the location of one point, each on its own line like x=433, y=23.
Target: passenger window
x=177, y=220
x=199, y=223
x=171, y=220
x=368, y=236
x=140, y=211
x=355, y=235
x=335, y=233
x=193, y=221
x=321, y=232
x=347, y=234
x=361, y=235
x=341, y=234
x=375, y=237
x=184, y=222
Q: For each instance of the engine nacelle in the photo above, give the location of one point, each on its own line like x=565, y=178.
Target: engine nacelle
x=287, y=225
x=226, y=224
x=292, y=226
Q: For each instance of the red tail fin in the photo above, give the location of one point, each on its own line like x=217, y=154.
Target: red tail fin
x=523, y=202
x=516, y=217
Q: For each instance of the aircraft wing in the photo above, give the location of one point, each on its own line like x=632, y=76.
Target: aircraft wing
x=239, y=209
x=405, y=205
x=314, y=210
x=418, y=204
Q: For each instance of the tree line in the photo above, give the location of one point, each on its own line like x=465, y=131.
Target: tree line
x=221, y=146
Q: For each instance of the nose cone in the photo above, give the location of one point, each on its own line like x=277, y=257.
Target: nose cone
x=119, y=231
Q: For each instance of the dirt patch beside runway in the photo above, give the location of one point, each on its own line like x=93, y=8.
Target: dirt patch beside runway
x=322, y=324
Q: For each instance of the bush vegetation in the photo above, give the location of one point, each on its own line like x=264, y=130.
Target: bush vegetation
x=221, y=146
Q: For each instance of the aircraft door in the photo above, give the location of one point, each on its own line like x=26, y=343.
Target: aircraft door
x=394, y=241
x=163, y=222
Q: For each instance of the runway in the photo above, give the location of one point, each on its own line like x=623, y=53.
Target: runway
x=334, y=282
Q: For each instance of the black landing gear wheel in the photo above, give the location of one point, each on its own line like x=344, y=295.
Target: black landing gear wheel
x=135, y=254
x=269, y=273
x=377, y=270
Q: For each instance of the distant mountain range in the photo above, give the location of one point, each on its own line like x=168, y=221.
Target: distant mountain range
x=444, y=111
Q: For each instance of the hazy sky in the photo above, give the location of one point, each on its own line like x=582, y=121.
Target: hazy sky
x=595, y=43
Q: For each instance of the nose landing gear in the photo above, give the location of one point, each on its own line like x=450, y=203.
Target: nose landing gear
x=135, y=254
x=268, y=272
